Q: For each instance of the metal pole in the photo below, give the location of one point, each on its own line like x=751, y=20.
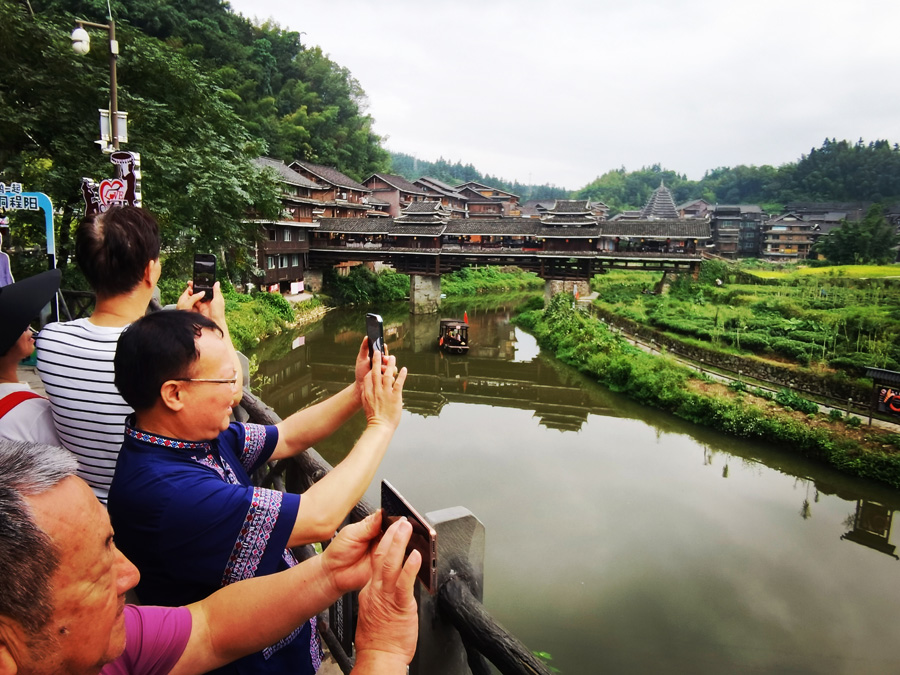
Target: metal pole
x=113, y=86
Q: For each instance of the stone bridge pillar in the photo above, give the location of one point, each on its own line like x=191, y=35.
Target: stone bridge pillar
x=554, y=286
x=424, y=294
x=312, y=280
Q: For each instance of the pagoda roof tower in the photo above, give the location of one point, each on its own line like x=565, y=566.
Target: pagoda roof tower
x=660, y=206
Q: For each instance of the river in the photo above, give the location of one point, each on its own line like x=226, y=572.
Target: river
x=618, y=539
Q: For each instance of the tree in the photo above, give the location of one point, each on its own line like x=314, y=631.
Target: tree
x=198, y=175
x=871, y=241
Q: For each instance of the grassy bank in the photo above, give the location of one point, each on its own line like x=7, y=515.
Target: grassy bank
x=658, y=381
x=250, y=317
x=477, y=280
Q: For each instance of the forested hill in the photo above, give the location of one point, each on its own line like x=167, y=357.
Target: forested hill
x=290, y=95
x=205, y=91
x=412, y=168
x=839, y=171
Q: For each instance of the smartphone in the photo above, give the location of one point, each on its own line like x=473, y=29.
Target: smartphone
x=423, y=538
x=204, y=274
x=375, y=333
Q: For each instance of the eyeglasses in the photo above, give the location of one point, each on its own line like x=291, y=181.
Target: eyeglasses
x=231, y=380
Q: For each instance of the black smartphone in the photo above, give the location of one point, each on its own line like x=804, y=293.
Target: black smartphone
x=423, y=538
x=375, y=333
x=204, y=274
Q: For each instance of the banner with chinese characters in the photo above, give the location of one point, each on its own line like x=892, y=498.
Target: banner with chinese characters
x=14, y=199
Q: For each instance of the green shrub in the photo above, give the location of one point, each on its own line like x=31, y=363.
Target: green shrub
x=835, y=415
x=790, y=399
x=797, y=351
x=853, y=422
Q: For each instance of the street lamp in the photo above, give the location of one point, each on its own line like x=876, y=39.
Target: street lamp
x=81, y=44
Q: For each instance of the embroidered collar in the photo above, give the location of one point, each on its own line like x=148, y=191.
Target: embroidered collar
x=164, y=441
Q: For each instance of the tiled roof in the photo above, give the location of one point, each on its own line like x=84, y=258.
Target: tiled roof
x=398, y=182
x=522, y=227
x=331, y=175
x=693, y=202
x=473, y=185
x=418, y=229
x=667, y=229
x=660, y=206
x=424, y=207
x=360, y=225
x=285, y=173
x=436, y=183
x=570, y=206
x=534, y=207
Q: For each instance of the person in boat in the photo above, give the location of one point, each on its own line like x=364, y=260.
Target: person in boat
x=24, y=414
x=62, y=591
x=118, y=253
x=182, y=501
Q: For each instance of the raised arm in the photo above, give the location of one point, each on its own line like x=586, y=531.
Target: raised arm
x=324, y=506
x=249, y=615
x=306, y=427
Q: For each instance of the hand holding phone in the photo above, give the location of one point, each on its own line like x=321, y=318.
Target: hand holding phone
x=423, y=538
x=204, y=274
x=375, y=333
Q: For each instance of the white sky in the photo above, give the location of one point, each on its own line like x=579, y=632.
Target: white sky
x=562, y=91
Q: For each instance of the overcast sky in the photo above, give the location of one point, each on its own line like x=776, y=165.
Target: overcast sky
x=562, y=91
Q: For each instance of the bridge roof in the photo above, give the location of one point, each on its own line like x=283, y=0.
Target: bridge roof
x=356, y=225
x=657, y=229
x=521, y=227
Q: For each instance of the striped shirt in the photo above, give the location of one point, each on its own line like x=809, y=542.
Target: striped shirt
x=75, y=362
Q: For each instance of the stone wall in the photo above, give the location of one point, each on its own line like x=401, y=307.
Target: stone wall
x=836, y=388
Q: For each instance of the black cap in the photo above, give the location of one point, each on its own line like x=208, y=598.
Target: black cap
x=21, y=302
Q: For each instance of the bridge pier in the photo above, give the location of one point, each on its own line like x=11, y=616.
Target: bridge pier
x=424, y=293
x=312, y=280
x=554, y=286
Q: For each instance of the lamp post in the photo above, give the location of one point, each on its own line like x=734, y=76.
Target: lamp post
x=81, y=44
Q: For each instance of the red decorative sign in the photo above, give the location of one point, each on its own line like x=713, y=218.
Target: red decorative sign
x=889, y=400
x=123, y=190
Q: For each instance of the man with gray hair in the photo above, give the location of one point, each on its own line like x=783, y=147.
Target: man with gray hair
x=62, y=591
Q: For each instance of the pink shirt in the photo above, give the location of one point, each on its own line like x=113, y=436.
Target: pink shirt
x=155, y=638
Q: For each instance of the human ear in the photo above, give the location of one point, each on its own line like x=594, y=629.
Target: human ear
x=8, y=665
x=172, y=395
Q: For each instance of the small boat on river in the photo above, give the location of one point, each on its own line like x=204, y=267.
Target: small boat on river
x=454, y=336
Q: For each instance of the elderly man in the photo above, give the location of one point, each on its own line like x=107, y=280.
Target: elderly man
x=118, y=252
x=182, y=503
x=62, y=591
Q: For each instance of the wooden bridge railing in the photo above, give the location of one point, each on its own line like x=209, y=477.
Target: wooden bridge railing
x=456, y=634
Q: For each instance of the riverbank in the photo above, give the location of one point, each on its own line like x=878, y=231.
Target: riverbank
x=662, y=382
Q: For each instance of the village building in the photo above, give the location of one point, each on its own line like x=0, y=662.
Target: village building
x=447, y=195
x=489, y=202
x=396, y=191
x=788, y=237
x=737, y=230
x=696, y=208
x=340, y=196
x=281, y=253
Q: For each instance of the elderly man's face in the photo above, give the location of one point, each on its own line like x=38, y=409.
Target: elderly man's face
x=87, y=629
x=208, y=404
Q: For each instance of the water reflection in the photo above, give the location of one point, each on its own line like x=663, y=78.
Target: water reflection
x=619, y=539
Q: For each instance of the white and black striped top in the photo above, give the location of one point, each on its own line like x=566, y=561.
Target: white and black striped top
x=75, y=362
